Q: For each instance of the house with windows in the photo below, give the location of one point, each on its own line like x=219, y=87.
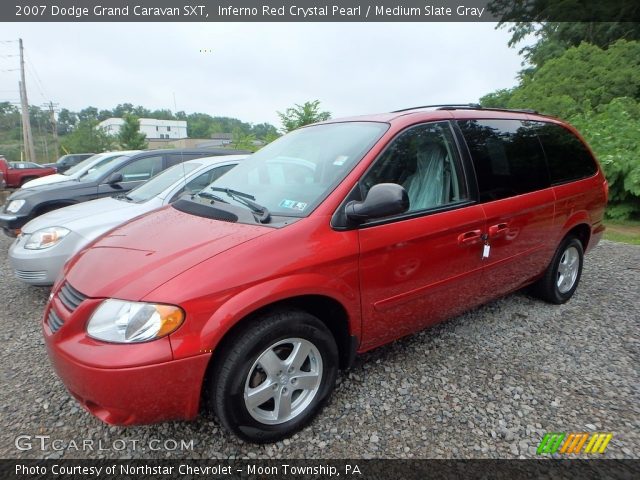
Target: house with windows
x=153, y=128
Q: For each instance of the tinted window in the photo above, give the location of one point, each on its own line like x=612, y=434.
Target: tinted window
x=142, y=169
x=176, y=158
x=568, y=158
x=161, y=182
x=423, y=160
x=507, y=157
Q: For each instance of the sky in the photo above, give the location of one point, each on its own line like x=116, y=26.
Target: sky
x=252, y=70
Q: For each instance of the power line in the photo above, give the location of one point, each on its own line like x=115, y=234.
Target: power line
x=39, y=83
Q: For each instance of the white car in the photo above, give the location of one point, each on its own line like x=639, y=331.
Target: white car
x=48, y=241
x=79, y=170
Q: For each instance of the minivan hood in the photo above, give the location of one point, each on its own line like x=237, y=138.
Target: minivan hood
x=86, y=217
x=139, y=256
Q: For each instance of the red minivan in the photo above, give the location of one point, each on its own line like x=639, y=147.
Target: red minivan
x=337, y=238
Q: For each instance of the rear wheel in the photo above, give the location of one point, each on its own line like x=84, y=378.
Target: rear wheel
x=562, y=276
x=274, y=378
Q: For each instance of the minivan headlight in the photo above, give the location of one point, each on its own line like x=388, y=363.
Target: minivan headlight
x=14, y=206
x=46, y=238
x=119, y=321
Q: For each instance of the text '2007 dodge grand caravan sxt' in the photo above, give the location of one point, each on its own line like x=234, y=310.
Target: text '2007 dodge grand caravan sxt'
x=335, y=239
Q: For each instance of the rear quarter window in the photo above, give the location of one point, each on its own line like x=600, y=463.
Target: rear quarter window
x=568, y=158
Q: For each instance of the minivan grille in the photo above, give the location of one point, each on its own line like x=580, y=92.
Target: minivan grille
x=54, y=321
x=70, y=297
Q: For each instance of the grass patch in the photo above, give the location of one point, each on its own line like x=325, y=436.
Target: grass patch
x=623, y=232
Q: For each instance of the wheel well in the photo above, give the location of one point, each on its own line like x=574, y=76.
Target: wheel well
x=583, y=233
x=50, y=207
x=329, y=311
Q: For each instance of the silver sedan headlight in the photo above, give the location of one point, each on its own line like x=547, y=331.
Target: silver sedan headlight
x=46, y=238
x=119, y=321
x=14, y=206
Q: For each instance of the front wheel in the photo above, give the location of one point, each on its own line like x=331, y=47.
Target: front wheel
x=562, y=276
x=276, y=375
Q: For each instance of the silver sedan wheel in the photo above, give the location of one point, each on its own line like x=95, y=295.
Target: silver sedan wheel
x=568, y=269
x=283, y=381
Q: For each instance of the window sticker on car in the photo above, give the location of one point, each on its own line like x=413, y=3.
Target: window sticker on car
x=340, y=159
x=300, y=206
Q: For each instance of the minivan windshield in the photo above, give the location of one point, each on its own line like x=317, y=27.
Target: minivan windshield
x=292, y=175
x=161, y=182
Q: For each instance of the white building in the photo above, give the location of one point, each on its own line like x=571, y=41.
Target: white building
x=152, y=127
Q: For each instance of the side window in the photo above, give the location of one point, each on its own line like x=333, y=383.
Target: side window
x=202, y=181
x=507, y=158
x=207, y=178
x=424, y=160
x=176, y=158
x=142, y=169
x=568, y=158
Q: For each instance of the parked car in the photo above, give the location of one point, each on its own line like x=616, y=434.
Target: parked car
x=65, y=162
x=15, y=174
x=48, y=241
x=335, y=239
x=3, y=183
x=78, y=171
x=113, y=178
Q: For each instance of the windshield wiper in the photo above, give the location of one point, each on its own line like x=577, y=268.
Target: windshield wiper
x=210, y=196
x=248, y=201
x=124, y=196
x=231, y=192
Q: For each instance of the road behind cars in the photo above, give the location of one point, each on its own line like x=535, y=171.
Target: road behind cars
x=489, y=383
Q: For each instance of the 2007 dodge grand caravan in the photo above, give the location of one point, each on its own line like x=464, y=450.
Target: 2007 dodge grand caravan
x=335, y=239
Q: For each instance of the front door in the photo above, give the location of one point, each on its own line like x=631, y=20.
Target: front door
x=426, y=264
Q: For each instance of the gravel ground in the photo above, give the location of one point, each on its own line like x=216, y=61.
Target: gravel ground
x=487, y=384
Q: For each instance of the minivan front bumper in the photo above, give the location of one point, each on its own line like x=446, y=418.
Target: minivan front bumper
x=121, y=384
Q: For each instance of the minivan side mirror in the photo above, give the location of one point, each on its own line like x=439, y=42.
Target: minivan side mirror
x=115, y=178
x=383, y=200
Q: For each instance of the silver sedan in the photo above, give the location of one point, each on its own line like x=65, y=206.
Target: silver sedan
x=47, y=242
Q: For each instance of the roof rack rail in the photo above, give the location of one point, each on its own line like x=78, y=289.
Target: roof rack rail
x=468, y=106
x=441, y=105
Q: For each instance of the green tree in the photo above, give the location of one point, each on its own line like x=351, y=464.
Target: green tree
x=301, y=115
x=264, y=130
x=89, y=113
x=613, y=132
x=87, y=137
x=130, y=137
x=242, y=140
x=581, y=79
x=560, y=25
x=66, y=121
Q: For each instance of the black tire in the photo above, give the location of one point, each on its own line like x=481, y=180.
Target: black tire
x=547, y=287
x=236, y=367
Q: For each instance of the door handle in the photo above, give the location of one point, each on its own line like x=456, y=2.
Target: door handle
x=498, y=230
x=469, y=238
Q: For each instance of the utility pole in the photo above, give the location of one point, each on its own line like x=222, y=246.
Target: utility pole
x=54, y=125
x=29, y=148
